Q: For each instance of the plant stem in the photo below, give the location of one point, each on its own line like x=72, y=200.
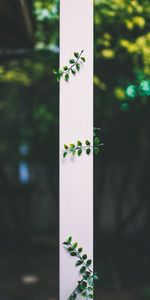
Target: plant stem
x=67, y=71
x=80, y=257
x=82, y=148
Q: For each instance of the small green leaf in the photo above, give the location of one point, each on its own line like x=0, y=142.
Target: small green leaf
x=95, y=277
x=80, y=250
x=84, y=283
x=65, y=243
x=88, y=263
x=60, y=72
x=79, y=143
x=76, y=54
x=83, y=59
x=80, y=288
x=72, y=61
x=55, y=72
x=73, y=152
x=73, y=71
x=96, y=141
x=69, y=239
x=84, y=256
x=73, y=253
x=88, y=273
x=96, y=150
x=82, y=270
x=65, y=154
x=65, y=68
x=88, y=151
x=74, y=246
x=83, y=294
x=79, y=262
x=91, y=296
x=72, y=146
x=67, y=77
x=79, y=152
x=78, y=66
x=73, y=296
x=65, y=146
x=87, y=143
x=90, y=288
x=70, y=249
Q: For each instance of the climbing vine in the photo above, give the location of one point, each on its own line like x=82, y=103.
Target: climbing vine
x=73, y=67
x=85, y=286
x=79, y=147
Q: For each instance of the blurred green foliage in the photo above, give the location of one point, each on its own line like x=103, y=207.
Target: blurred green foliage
x=122, y=47
x=29, y=97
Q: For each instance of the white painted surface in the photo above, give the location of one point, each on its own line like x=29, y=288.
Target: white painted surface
x=76, y=122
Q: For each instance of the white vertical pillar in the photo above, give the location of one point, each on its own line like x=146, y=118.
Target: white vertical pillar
x=76, y=122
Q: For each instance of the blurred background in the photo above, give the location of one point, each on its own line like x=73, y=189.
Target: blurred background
x=29, y=112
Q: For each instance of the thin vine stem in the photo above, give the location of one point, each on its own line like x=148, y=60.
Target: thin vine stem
x=67, y=71
x=79, y=256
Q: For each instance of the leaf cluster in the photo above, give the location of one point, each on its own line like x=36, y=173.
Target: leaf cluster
x=79, y=147
x=73, y=67
x=85, y=286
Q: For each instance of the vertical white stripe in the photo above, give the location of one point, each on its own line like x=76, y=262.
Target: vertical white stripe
x=76, y=122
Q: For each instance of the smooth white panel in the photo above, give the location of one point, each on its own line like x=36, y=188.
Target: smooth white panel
x=76, y=122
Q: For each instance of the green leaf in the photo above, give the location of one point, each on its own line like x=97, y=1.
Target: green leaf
x=70, y=249
x=73, y=152
x=83, y=59
x=83, y=294
x=65, y=154
x=90, y=288
x=73, y=296
x=76, y=54
x=96, y=129
x=55, y=72
x=95, y=277
x=65, y=243
x=96, y=141
x=79, y=143
x=74, y=246
x=73, y=253
x=79, y=152
x=82, y=270
x=78, y=66
x=87, y=143
x=80, y=288
x=72, y=146
x=60, y=72
x=91, y=296
x=88, y=273
x=84, y=283
x=72, y=61
x=58, y=77
x=73, y=71
x=96, y=150
x=80, y=250
x=84, y=256
x=67, y=77
x=65, y=68
x=69, y=239
x=88, y=263
x=79, y=262
x=88, y=151
x=65, y=146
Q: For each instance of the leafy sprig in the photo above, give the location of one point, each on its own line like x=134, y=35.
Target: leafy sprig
x=79, y=147
x=85, y=286
x=73, y=68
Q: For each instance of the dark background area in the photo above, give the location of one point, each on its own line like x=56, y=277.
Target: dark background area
x=29, y=112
